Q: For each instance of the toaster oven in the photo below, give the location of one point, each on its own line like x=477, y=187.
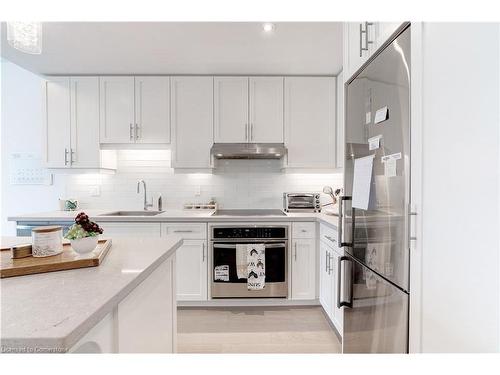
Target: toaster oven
x=301, y=202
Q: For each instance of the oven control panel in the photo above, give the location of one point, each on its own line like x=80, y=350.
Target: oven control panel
x=249, y=232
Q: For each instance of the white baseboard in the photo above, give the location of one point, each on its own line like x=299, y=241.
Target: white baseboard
x=248, y=302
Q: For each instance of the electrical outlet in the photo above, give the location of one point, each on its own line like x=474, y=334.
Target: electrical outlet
x=95, y=191
x=197, y=193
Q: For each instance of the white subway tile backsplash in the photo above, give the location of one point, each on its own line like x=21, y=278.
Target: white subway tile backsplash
x=234, y=184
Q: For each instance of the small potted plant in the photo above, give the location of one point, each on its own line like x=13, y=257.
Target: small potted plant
x=83, y=235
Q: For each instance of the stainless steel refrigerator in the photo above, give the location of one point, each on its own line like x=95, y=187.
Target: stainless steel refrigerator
x=373, y=283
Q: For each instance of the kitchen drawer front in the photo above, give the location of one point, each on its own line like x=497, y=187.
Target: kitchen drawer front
x=304, y=230
x=194, y=231
x=328, y=235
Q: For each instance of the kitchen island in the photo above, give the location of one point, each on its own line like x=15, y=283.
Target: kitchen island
x=98, y=309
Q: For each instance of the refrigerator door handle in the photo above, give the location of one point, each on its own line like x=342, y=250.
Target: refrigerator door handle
x=341, y=289
x=341, y=219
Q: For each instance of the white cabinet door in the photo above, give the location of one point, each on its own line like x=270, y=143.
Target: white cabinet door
x=304, y=269
x=122, y=229
x=266, y=110
x=325, y=278
x=192, y=121
x=358, y=44
x=231, y=109
x=56, y=93
x=340, y=121
x=85, y=151
x=383, y=30
x=152, y=110
x=336, y=313
x=310, y=122
x=117, y=109
x=192, y=270
x=147, y=320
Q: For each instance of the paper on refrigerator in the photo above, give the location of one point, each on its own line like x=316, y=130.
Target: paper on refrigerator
x=362, y=182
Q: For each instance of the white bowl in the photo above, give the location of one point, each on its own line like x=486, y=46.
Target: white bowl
x=84, y=245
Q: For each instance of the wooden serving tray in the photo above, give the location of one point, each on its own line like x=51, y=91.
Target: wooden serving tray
x=67, y=260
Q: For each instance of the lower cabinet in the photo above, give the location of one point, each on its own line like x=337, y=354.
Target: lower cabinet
x=191, y=260
x=303, y=268
x=328, y=280
x=145, y=321
x=192, y=271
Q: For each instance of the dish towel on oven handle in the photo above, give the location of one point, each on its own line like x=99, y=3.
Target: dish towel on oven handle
x=242, y=261
x=256, y=256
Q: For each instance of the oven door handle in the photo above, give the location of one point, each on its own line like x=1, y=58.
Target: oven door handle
x=233, y=246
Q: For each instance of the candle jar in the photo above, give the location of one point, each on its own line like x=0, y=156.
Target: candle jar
x=47, y=241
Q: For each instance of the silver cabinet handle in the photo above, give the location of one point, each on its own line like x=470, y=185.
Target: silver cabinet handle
x=71, y=153
x=246, y=132
x=137, y=131
x=183, y=231
x=367, y=37
x=131, y=132
x=330, y=267
x=330, y=238
x=65, y=156
x=295, y=256
x=203, y=252
x=251, y=132
x=326, y=260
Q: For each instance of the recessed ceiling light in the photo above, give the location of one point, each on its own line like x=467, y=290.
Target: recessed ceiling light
x=268, y=27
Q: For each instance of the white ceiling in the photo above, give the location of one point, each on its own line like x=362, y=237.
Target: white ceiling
x=184, y=48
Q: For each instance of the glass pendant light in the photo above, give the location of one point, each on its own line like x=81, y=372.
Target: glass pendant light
x=25, y=36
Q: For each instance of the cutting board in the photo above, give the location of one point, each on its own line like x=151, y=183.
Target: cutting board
x=67, y=260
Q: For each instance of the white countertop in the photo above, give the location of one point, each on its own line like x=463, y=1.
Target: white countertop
x=54, y=310
x=174, y=216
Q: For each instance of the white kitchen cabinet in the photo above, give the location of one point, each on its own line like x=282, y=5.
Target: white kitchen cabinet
x=361, y=40
x=135, y=109
x=57, y=116
x=152, y=110
x=326, y=284
x=329, y=254
x=266, y=110
x=147, y=317
x=192, y=121
x=117, y=115
x=129, y=229
x=71, y=106
x=100, y=339
x=231, y=109
x=310, y=128
x=192, y=271
x=192, y=260
x=340, y=121
x=303, y=269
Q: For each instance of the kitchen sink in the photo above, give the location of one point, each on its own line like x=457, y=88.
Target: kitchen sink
x=132, y=213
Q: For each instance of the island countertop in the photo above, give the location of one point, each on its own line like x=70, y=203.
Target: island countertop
x=50, y=312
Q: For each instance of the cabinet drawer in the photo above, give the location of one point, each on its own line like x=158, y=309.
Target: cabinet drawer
x=303, y=230
x=328, y=235
x=196, y=231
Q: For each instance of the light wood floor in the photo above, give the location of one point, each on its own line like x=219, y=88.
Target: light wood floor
x=255, y=330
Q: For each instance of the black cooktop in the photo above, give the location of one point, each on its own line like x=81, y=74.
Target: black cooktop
x=244, y=212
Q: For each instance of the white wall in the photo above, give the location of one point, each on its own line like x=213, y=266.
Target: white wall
x=234, y=184
x=22, y=132
x=460, y=260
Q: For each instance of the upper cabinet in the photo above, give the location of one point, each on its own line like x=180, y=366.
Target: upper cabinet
x=266, y=110
x=248, y=110
x=135, y=110
x=231, y=109
x=361, y=40
x=192, y=121
x=310, y=128
x=72, y=124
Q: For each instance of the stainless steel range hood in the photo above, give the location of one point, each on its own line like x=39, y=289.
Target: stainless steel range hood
x=248, y=150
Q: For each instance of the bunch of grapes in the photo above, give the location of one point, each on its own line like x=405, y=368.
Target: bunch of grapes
x=82, y=219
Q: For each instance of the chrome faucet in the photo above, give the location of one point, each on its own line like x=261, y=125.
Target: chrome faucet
x=146, y=204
